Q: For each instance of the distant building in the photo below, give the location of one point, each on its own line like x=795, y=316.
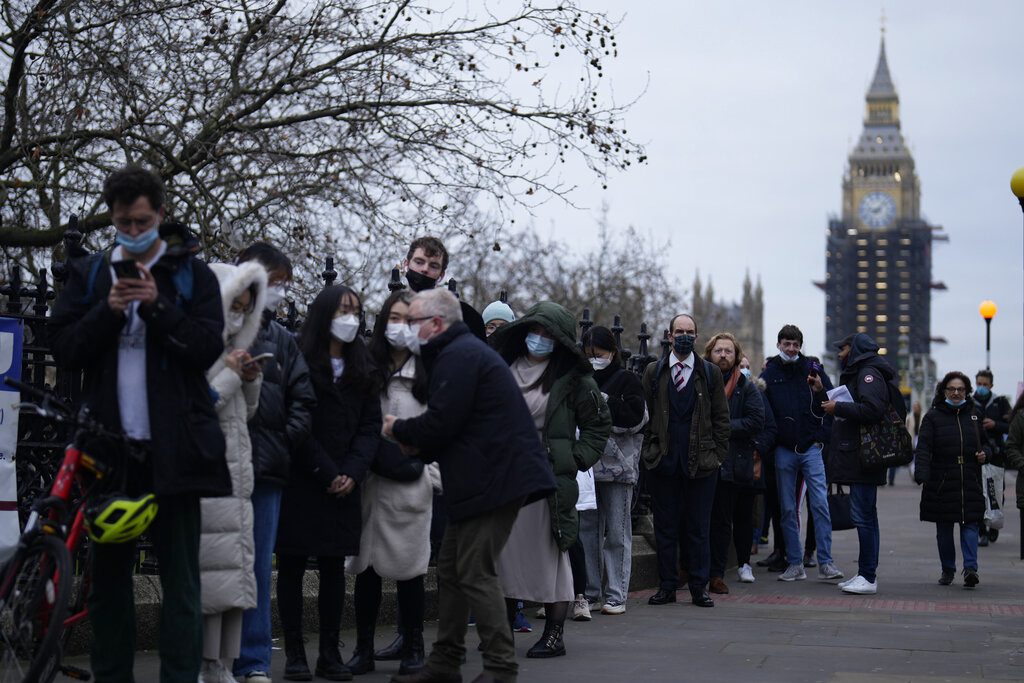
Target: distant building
x=745, y=320
x=878, y=276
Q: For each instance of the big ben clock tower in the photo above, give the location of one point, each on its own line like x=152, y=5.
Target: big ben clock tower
x=878, y=257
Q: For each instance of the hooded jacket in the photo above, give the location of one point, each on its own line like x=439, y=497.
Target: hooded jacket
x=869, y=377
x=945, y=463
x=183, y=338
x=577, y=422
x=226, y=547
x=477, y=427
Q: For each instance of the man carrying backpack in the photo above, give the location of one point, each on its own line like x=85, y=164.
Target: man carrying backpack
x=144, y=322
x=870, y=381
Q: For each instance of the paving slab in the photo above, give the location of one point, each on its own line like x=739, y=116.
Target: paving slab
x=912, y=631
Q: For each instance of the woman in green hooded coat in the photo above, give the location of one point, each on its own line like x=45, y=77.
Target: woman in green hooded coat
x=574, y=423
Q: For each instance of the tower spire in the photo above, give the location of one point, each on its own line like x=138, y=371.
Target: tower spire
x=882, y=87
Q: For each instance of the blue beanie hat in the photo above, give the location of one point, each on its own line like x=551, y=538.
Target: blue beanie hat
x=498, y=310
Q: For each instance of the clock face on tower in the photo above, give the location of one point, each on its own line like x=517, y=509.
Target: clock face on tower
x=877, y=209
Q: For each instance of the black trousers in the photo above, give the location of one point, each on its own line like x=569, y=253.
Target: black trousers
x=682, y=511
x=290, y=569
x=772, y=509
x=367, y=603
x=732, y=521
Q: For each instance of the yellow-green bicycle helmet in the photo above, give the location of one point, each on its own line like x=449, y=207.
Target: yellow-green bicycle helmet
x=119, y=519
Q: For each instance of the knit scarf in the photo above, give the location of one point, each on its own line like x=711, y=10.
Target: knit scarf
x=734, y=378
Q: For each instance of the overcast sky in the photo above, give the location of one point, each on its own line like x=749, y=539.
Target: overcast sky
x=748, y=118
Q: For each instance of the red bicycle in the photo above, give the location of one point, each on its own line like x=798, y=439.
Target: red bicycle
x=37, y=610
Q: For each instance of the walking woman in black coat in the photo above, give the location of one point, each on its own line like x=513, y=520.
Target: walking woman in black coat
x=948, y=462
x=320, y=510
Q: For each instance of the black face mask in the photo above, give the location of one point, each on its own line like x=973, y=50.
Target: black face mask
x=682, y=344
x=418, y=281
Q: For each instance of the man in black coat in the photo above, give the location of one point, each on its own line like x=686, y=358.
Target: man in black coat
x=479, y=430
x=145, y=340
x=282, y=421
x=869, y=379
x=994, y=414
x=425, y=265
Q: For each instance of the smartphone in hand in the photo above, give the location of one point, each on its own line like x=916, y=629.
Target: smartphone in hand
x=257, y=359
x=126, y=270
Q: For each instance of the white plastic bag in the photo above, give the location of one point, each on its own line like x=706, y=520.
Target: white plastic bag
x=992, y=478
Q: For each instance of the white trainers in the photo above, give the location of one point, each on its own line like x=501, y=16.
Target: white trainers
x=745, y=574
x=794, y=572
x=581, y=609
x=541, y=613
x=214, y=671
x=829, y=572
x=257, y=677
x=844, y=584
x=859, y=586
x=610, y=608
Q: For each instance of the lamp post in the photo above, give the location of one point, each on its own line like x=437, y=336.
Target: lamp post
x=988, y=311
x=1017, y=187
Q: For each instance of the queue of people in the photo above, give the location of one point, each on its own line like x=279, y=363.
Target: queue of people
x=461, y=436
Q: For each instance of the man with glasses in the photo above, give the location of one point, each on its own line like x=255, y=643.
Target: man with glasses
x=871, y=382
x=144, y=322
x=479, y=430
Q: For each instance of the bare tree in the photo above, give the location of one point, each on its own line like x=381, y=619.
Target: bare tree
x=332, y=126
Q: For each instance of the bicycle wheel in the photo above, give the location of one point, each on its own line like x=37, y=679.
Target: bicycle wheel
x=34, y=594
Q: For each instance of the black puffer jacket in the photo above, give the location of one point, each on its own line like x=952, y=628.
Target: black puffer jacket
x=286, y=404
x=945, y=463
x=997, y=409
x=869, y=378
x=746, y=420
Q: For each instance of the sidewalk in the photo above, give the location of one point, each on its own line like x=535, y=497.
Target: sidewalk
x=913, y=630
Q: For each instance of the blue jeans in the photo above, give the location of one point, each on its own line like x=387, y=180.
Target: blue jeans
x=256, y=644
x=787, y=465
x=947, y=549
x=864, y=514
x=608, y=541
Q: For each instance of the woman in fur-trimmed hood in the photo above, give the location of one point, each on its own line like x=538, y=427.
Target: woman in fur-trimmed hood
x=226, y=554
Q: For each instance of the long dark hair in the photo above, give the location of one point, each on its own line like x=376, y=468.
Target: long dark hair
x=600, y=337
x=380, y=350
x=560, y=361
x=315, y=340
x=940, y=388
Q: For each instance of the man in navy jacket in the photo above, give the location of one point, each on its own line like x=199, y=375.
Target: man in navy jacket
x=479, y=430
x=803, y=432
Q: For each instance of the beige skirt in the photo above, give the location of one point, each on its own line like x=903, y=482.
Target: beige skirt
x=531, y=567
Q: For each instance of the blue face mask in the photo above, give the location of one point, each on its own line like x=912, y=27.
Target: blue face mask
x=786, y=358
x=141, y=243
x=982, y=392
x=956, y=404
x=745, y=372
x=539, y=346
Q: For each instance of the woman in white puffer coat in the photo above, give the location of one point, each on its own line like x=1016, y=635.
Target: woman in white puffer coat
x=226, y=551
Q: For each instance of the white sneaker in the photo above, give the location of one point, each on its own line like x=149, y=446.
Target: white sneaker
x=745, y=573
x=581, y=609
x=214, y=671
x=860, y=586
x=609, y=608
x=844, y=584
x=794, y=572
x=257, y=677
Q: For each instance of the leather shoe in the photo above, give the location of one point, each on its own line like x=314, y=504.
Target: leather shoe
x=662, y=597
x=775, y=557
x=717, y=585
x=425, y=675
x=780, y=566
x=702, y=599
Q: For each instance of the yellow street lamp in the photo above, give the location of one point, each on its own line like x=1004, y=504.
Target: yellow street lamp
x=988, y=311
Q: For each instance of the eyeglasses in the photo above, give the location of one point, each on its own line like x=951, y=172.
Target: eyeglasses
x=956, y=390
x=410, y=321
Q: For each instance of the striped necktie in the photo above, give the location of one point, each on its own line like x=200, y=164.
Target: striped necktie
x=677, y=376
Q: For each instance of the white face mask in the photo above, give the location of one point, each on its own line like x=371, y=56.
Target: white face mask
x=399, y=335
x=233, y=322
x=414, y=339
x=345, y=327
x=275, y=295
x=600, y=363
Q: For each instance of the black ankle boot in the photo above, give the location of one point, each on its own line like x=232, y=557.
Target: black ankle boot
x=392, y=652
x=413, y=655
x=549, y=645
x=295, y=666
x=362, y=658
x=329, y=664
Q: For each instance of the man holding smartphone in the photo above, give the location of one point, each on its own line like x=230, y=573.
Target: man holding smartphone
x=144, y=335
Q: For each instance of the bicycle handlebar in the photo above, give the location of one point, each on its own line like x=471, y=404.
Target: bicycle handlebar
x=62, y=412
